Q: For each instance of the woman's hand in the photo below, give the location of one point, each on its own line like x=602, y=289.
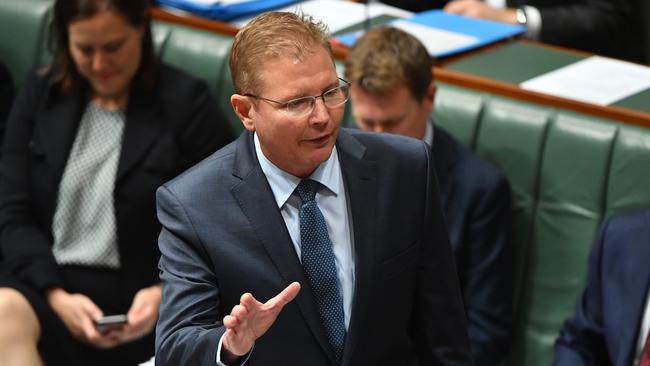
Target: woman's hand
x=78, y=313
x=142, y=315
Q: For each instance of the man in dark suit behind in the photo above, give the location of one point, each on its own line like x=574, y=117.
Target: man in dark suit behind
x=384, y=290
x=612, y=319
x=6, y=98
x=393, y=91
x=605, y=27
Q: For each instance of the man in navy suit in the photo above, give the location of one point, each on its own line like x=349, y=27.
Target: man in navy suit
x=240, y=283
x=393, y=91
x=612, y=319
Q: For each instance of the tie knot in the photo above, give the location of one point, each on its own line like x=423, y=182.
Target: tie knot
x=307, y=190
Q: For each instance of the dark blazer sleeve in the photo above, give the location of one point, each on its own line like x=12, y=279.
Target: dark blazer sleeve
x=440, y=315
x=581, y=340
x=487, y=272
x=607, y=27
x=26, y=249
x=6, y=97
x=190, y=293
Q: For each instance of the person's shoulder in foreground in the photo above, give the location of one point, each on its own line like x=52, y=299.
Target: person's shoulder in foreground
x=611, y=321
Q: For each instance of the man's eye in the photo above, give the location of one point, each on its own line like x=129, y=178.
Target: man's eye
x=87, y=51
x=299, y=103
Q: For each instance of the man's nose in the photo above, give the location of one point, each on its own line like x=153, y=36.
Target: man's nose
x=321, y=113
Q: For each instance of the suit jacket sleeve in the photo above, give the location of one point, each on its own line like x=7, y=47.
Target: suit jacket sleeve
x=440, y=315
x=581, y=339
x=186, y=333
x=6, y=97
x=600, y=26
x=488, y=286
x=26, y=249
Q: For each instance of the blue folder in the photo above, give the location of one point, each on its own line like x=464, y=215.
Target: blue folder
x=220, y=11
x=485, y=31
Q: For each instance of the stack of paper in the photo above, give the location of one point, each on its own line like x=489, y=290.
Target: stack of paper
x=597, y=80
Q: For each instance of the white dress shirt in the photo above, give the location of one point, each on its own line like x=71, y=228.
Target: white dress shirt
x=534, y=18
x=643, y=331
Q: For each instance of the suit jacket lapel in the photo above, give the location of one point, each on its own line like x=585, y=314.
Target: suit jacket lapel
x=445, y=156
x=360, y=178
x=256, y=200
x=140, y=131
x=56, y=128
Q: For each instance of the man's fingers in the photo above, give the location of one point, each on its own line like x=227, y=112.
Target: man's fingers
x=287, y=295
x=230, y=321
x=453, y=7
x=248, y=301
x=239, y=311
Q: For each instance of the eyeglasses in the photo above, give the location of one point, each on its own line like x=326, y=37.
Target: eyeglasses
x=303, y=106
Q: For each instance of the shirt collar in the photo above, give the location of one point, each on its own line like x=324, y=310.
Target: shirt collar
x=428, y=133
x=283, y=184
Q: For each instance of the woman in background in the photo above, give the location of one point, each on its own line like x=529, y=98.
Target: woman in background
x=89, y=140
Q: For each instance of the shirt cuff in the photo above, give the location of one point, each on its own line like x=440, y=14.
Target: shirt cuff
x=533, y=22
x=242, y=360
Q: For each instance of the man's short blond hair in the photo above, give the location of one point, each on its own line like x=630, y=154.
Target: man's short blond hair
x=385, y=58
x=269, y=36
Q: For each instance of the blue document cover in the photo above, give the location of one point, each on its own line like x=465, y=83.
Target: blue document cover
x=222, y=10
x=455, y=33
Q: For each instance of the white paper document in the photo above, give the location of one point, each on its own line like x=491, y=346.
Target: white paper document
x=597, y=80
x=436, y=41
x=339, y=14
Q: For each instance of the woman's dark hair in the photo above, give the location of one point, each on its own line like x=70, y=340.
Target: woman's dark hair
x=136, y=12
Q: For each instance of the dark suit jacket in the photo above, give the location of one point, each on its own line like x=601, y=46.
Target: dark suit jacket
x=476, y=201
x=608, y=316
x=167, y=130
x=223, y=235
x=608, y=27
x=6, y=97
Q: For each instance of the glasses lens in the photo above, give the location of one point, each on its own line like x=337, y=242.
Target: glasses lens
x=337, y=96
x=298, y=107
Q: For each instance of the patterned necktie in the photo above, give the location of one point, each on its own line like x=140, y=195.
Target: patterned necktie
x=644, y=359
x=318, y=263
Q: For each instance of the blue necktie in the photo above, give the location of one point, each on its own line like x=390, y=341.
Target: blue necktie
x=318, y=263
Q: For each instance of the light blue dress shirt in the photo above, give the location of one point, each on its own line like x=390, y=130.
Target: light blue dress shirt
x=333, y=203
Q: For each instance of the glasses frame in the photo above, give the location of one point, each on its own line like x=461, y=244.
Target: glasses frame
x=284, y=105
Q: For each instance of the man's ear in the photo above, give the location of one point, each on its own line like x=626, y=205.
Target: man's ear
x=244, y=109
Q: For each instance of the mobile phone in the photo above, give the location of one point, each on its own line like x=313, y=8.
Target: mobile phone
x=111, y=321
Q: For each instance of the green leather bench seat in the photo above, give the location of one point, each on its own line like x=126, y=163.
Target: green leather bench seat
x=23, y=35
x=567, y=171
x=201, y=53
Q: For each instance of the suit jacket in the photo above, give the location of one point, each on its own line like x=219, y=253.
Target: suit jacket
x=606, y=27
x=6, y=97
x=476, y=202
x=223, y=235
x=605, y=327
x=167, y=129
